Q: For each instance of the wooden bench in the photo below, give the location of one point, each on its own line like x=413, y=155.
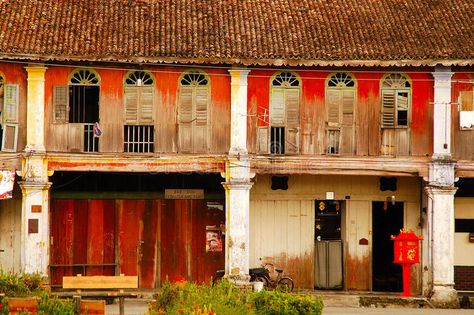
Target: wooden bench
x=104, y=287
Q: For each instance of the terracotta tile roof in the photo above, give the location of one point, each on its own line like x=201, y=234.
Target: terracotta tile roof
x=266, y=32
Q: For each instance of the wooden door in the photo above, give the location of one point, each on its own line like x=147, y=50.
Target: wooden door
x=183, y=251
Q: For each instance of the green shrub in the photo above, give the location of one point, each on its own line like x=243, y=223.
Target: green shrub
x=54, y=306
x=20, y=285
x=226, y=299
x=277, y=303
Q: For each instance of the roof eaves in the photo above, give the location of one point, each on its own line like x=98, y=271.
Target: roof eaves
x=243, y=62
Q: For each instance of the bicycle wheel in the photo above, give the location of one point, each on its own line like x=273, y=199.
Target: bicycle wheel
x=285, y=285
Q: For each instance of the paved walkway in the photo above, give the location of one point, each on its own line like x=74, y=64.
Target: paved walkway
x=133, y=307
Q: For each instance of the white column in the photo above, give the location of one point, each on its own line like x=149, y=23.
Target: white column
x=441, y=192
x=238, y=110
x=238, y=183
x=35, y=109
x=442, y=113
x=35, y=185
x=35, y=227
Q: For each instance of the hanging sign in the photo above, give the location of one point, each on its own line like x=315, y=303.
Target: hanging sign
x=7, y=178
x=184, y=193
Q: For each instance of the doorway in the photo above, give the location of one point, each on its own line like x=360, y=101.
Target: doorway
x=387, y=220
x=328, y=244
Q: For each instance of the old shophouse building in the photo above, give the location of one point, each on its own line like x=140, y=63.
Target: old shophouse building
x=174, y=138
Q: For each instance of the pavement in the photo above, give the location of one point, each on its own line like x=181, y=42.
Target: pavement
x=139, y=307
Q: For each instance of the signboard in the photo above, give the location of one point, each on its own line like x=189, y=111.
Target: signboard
x=7, y=178
x=184, y=193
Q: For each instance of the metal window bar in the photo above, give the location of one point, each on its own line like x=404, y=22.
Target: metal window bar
x=277, y=140
x=138, y=139
x=91, y=143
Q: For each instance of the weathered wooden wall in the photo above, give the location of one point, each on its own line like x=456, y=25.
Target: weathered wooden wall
x=154, y=239
x=282, y=223
x=10, y=234
x=367, y=110
x=461, y=151
x=59, y=136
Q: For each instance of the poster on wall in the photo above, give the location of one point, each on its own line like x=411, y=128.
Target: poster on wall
x=213, y=239
x=7, y=178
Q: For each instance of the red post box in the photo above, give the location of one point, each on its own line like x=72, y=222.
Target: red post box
x=406, y=253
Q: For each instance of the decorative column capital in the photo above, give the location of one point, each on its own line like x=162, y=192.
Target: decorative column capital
x=442, y=76
x=239, y=76
x=441, y=172
x=36, y=72
x=27, y=186
x=237, y=185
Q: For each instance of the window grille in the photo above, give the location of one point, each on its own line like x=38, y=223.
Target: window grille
x=277, y=140
x=333, y=138
x=138, y=139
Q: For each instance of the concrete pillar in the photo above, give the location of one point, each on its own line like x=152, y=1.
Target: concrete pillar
x=35, y=227
x=442, y=113
x=35, y=186
x=441, y=192
x=238, y=183
x=238, y=109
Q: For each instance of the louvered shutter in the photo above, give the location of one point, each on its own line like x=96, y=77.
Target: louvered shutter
x=388, y=108
x=347, y=126
x=61, y=104
x=10, y=105
x=333, y=103
x=145, y=104
x=292, y=106
x=348, y=107
x=10, y=137
x=200, y=124
x=131, y=104
x=185, y=119
x=277, y=107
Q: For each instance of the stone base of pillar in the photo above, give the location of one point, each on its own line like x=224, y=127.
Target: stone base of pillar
x=239, y=280
x=444, y=296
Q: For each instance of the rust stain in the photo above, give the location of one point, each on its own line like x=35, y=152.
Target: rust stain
x=299, y=268
x=355, y=279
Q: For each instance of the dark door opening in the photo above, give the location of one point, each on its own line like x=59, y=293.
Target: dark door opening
x=328, y=245
x=387, y=220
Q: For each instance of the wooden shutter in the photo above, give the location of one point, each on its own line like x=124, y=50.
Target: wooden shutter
x=61, y=104
x=333, y=103
x=263, y=139
x=10, y=106
x=277, y=107
x=10, y=137
x=292, y=106
x=388, y=108
x=347, y=123
x=200, y=123
x=145, y=104
x=185, y=119
x=131, y=104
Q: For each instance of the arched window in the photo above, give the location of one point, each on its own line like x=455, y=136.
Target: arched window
x=193, y=111
x=139, y=133
x=78, y=103
x=340, y=104
x=395, y=114
x=284, y=123
x=8, y=115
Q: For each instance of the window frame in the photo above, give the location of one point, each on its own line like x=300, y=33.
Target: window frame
x=396, y=90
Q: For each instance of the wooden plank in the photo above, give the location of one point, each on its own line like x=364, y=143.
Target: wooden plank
x=148, y=247
x=130, y=227
x=10, y=218
x=100, y=282
x=92, y=307
x=20, y=305
x=95, y=237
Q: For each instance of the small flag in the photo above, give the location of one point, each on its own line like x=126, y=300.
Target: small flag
x=97, y=131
